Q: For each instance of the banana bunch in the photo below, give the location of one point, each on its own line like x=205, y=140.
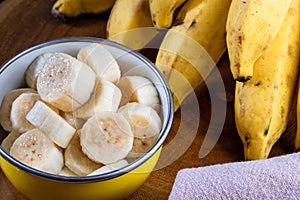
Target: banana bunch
x=72, y=8
x=63, y=124
x=265, y=61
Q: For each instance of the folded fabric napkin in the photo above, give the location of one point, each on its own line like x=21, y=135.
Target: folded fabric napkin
x=275, y=178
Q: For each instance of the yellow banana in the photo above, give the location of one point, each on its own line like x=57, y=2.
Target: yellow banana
x=193, y=45
x=297, y=139
x=162, y=11
x=263, y=103
x=73, y=8
x=251, y=27
x=125, y=18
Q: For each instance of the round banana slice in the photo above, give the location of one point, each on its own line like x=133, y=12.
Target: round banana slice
x=51, y=123
x=141, y=146
x=65, y=82
x=6, y=104
x=36, y=150
x=20, y=108
x=139, y=89
x=101, y=61
x=76, y=160
x=144, y=120
x=66, y=172
x=106, y=137
x=109, y=168
x=106, y=97
x=34, y=69
x=10, y=139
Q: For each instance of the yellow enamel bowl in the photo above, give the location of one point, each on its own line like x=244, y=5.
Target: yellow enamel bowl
x=117, y=184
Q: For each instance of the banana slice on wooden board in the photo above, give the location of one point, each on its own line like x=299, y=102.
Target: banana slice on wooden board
x=109, y=168
x=51, y=123
x=106, y=97
x=32, y=72
x=36, y=150
x=76, y=160
x=65, y=82
x=6, y=105
x=139, y=89
x=8, y=141
x=101, y=61
x=106, y=137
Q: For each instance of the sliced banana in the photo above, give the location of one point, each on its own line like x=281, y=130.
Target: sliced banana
x=144, y=120
x=106, y=137
x=6, y=104
x=36, y=150
x=101, y=61
x=139, y=89
x=109, y=168
x=20, y=108
x=10, y=139
x=34, y=69
x=66, y=172
x=65, y=82
x=106, y=97
x=141, y=146
x=51, y=123
x=76, y=160
x=75, y=122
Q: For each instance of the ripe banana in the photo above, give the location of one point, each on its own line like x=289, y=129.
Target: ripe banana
x=51, y=123
x=76, y=160
x=139, y=89
x=62, y=82
x=144, y=120
x=20, y=108
x=109, y=168
x=34, y=69
x=106, y=137
x=36, y=150
x=124, y=20
x=9, y=140
x=193, y=45
x=162, y=11
x=73, y=8
x=101, y=61
x=251, y=27
x=263, y=103
x=106, y=97
x=6, y=104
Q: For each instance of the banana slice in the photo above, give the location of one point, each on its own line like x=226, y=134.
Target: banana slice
x=75, y=122
x=141, y=146
x=106, y=137
x=10, y=139
x=65, y=82
x=101, y=61
x=20, y=108
x=139, y=89
x=106, y=97
x=36, y=150
x=51, y=123
x=109, y=168
x=144, y=120
x=76, y=160
x=66, y=172
x=34, y=69
x=6, y=104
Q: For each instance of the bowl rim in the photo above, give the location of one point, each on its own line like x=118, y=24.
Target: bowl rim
x=110, y=175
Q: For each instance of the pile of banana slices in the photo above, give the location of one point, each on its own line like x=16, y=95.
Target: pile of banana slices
x=80, y=116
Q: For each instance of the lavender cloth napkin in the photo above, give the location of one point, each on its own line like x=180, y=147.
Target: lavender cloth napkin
x=275, y=178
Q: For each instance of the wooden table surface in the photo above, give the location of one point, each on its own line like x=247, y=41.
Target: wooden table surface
x=24, y=23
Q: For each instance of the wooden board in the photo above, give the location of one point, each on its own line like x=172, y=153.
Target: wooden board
x=24, y=23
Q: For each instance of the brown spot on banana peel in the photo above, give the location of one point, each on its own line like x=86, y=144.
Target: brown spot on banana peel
x=243, y=78
x=57, y=14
